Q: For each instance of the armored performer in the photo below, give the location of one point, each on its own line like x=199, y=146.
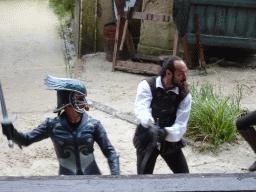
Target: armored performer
x=162, y=107
x=73, y=132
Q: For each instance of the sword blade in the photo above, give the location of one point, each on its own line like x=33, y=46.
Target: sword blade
x=4, y=110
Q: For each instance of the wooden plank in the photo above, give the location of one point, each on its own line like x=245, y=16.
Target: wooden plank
x=210, y=16
x=146, y=58
x=220, y=27
x=231, y=21
x=200, y=50
x=176, y=46
x=226, y=41
x=117, y=42
x=229, y=3
x=129, y=43
x=200, y=9
x=138, y=67
x=119, y=6
x=251, y=28
x=191, y=20
x=243, y=182
x=241, y=22
x=187, y=51
x=77, y=27
x=119, y=28
x=150, y=16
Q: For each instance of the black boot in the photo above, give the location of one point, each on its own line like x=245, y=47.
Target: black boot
x=250, y=136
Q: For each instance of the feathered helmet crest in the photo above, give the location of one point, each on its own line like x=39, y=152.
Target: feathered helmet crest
x=70, y=92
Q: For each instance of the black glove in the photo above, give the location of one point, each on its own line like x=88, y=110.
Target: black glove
x=7, y=129
x=160, y=133
x=10, y=132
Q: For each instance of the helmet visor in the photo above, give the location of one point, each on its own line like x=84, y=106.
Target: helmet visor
x=78, y=102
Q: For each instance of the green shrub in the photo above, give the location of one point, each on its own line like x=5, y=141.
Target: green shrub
x=63, y=8
x=212, y=118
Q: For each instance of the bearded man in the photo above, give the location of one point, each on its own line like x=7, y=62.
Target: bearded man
x=165, y=102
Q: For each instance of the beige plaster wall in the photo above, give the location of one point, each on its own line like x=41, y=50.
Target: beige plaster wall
x=105, y=16
x=156, y=38
x=94, y=15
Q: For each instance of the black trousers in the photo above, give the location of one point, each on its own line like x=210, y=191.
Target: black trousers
x=176, y=161
x=246, y=122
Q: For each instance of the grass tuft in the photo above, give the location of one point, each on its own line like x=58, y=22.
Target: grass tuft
x=212, y=118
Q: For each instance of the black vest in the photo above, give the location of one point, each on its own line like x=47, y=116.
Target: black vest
x=164, y=106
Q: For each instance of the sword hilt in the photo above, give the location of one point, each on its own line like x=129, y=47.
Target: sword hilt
x=6, y=121
x=7, y=130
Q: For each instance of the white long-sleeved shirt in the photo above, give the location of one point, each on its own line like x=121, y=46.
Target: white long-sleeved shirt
x=143, y=111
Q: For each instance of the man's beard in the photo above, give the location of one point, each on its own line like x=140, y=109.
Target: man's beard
x=178, y=84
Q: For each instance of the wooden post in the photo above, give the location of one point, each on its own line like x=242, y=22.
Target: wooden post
x=129, y=43
x=120, y=24
x=187, y=51
x=176, y=47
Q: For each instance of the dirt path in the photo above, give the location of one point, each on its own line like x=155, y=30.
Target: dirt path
x=30, y=49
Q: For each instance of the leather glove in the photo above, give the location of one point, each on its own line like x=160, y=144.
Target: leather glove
x=160, y=133
x=7, y=129
x=10, y=132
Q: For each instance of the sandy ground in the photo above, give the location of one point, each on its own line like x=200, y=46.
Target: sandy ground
x=118, y=91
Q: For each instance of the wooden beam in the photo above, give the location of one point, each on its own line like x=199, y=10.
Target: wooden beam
x=176, y=46
x=150, y=16
x=119, y=27
x=173, y=182
x=146, y=58
x=215, y=40
x=187, y=51
x=129, y=43
x=138, y=67
x=227, y=3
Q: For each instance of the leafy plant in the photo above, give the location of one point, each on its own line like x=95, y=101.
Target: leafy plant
x=212, y=118
x=63, y=8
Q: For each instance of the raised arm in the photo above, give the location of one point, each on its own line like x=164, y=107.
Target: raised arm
x=25, y=139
